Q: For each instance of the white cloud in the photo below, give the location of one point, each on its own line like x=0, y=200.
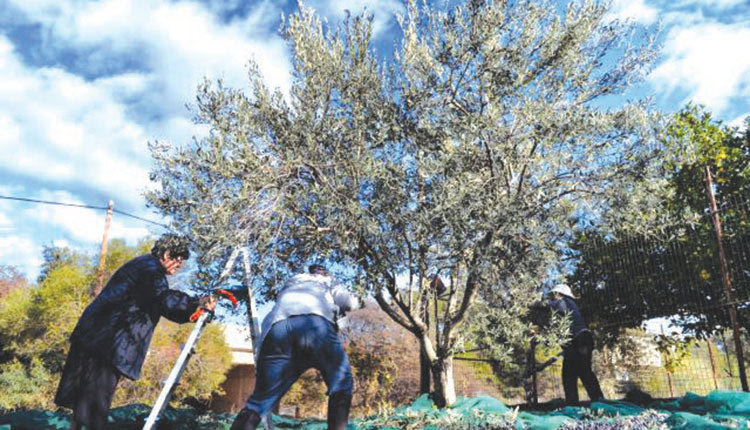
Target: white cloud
x=61, y=126
x=21, y=251
x=4, y=222
x=25, y=227
x=635, y=10
x=126, y=84
x=10, y=132
x=58, y=127
x=693, y=4
x=705, y=62
x=61, y=243
x=739, y=121
x=178, y=42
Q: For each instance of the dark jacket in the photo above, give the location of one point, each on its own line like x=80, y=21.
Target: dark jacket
x=566, y=305
x=117, y=326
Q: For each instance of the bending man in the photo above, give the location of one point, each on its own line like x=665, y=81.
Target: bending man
x=300, y=333
x=577, y=352
x=113, y=334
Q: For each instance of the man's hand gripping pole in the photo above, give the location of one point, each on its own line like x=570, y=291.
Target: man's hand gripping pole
x=220, y=293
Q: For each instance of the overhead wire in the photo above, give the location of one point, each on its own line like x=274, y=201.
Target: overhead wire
x=84, y=206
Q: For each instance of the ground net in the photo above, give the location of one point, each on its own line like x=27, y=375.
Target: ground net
x=720, y=409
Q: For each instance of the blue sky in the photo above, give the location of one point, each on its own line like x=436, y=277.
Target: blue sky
x=84, y=85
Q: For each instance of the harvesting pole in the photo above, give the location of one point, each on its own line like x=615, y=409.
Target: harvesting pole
x=252, y=319
x=203, y=318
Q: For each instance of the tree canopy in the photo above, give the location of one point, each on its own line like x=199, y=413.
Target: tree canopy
x=10, y=279
x=465, y=156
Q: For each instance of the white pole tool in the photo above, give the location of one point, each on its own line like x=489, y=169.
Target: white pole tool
x=174, y=376
x=252, y=319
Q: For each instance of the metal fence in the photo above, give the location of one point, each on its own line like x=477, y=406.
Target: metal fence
x=670, y=312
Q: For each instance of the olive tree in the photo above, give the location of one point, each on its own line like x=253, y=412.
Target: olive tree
x=445, y=176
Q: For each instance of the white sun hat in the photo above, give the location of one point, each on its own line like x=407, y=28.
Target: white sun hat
x=564, y=290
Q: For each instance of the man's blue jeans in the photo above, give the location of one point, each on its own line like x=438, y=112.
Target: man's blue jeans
x=291, y=347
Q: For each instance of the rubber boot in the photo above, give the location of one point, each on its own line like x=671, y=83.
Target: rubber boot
x=338, y=410
x=247, y=419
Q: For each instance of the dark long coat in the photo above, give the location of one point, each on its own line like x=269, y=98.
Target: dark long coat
x=117, y=326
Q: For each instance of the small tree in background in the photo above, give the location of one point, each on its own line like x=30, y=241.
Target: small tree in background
x=204, y=374
x=308, y=395
x=466, y=156
x=56, y=256
x=10, y=279
x=384, y=358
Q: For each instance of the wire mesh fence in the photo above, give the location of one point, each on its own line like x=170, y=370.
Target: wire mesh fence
x=669, y=311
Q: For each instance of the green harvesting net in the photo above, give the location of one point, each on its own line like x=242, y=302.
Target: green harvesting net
x=718, y=410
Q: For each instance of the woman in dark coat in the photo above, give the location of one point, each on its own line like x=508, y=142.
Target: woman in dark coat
x=112, y=336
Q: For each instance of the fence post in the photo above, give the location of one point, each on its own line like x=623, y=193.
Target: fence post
x=531, y=388
x=710, y=346
x=103, y=251
x=535, y=381
x=671, y=383
x=665, y=355
x=726, y=281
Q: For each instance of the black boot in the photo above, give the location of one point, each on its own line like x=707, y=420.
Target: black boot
x=247, y=419
x=338, y=410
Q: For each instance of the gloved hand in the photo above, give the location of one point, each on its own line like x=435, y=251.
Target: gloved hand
x=208, y=302
x=537, y=305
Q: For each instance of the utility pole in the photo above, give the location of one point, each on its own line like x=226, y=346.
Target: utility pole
x=103, y=251
x=726, y=280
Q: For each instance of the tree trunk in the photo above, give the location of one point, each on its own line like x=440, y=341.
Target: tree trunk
x=671, y=383
x=424, y=359
x=424, y=371
x=530, y=382
x=444, y=393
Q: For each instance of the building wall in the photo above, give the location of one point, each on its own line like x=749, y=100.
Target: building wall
x=240, y=379
x=237, y=388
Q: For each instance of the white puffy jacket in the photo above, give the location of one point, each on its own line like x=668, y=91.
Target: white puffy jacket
x=308, y=294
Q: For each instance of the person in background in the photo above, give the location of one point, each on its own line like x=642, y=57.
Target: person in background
x=113, y=334
x=301, y=333
x=576, y=352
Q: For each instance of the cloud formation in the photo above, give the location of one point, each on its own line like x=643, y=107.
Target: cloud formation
x=58, y=127
x=634, y=10
x=88, y=84
x=85, y=85
x=703, y=63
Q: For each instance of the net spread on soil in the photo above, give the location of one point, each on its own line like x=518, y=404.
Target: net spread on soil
x=718, y=410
